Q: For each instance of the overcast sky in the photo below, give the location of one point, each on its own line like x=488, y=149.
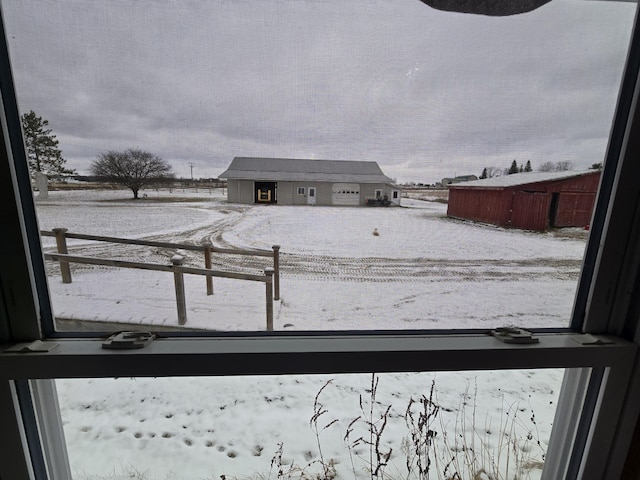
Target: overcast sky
x=425, y=93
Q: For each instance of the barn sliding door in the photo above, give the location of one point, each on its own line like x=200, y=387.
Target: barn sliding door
x=529, y=210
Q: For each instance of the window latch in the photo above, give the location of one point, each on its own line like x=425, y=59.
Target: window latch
x=37, y=346
x=128, y=340
x=514, y=335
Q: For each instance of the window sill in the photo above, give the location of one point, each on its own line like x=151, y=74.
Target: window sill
x=260, y=355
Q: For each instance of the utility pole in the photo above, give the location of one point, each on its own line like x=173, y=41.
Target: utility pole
x=191, y=164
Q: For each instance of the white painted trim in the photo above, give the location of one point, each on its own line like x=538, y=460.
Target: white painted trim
x=293, y=354
x=621, y=415
x=565, y=423
x=47, y=410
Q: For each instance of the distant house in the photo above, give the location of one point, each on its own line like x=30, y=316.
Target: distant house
x=530, y=201
x=287, y=181
x=460, y=178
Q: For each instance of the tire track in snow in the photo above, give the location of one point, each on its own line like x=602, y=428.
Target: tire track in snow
x=325, y=267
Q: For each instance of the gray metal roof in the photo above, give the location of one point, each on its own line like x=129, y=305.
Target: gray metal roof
x=517, y=179
x=294, y=169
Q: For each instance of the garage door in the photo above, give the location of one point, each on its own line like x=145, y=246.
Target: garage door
x=345, y=194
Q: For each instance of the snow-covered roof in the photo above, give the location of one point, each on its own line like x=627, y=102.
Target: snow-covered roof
x=523, y=178
x=292, y=169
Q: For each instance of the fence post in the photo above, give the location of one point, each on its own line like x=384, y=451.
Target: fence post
x=178, y=278
x=61, y=243
x=207, y=245
x=276, y=272
x=269, y=288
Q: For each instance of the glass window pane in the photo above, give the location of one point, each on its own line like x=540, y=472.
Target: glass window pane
x=522, y=104
x=286, y=426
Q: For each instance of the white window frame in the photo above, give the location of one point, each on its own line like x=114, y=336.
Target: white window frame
x=600, y=399
x=302, y=191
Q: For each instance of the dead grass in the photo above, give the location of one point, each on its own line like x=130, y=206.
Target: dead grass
x=427, y=195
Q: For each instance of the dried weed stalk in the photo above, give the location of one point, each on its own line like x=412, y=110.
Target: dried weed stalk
x=419, y=444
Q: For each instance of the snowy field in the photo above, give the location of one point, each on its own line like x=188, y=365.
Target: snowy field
x=422, y=271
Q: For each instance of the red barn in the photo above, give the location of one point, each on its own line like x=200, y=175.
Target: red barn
x=530, y=201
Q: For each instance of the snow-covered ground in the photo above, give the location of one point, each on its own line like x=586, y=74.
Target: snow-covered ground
x=422, y=271
x=203, y=428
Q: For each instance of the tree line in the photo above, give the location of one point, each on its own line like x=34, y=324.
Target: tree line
x=133, y=168
x=561, y=166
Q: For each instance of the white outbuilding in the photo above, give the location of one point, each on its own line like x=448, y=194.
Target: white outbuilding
x=288, y=181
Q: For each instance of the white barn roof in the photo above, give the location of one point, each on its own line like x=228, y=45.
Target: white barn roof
x=292, y=169
x=523, y=178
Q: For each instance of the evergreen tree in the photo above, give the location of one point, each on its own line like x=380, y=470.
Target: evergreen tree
x=527, y=167
x=484, y=173
x=513, y=168
x=42, y=146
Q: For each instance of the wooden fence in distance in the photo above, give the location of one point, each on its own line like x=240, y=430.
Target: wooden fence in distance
x=271, y=276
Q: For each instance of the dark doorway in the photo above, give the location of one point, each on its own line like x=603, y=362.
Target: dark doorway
x=266, y=192
x=553, y=209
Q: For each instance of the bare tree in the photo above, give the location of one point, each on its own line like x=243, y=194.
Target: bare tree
x=564, y=165
x=493, y=172
x=560, y=166
x=132, y=168
x=547, y=167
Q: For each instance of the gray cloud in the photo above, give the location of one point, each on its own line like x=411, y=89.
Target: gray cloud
x=425, y=93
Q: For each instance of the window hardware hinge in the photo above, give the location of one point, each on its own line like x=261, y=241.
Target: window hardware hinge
x=514, y=335
x=128, y=340
x=37, y=346
x=588, y=339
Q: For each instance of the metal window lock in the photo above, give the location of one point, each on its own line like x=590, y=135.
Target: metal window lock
x=128, y=340
x=514, y=335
